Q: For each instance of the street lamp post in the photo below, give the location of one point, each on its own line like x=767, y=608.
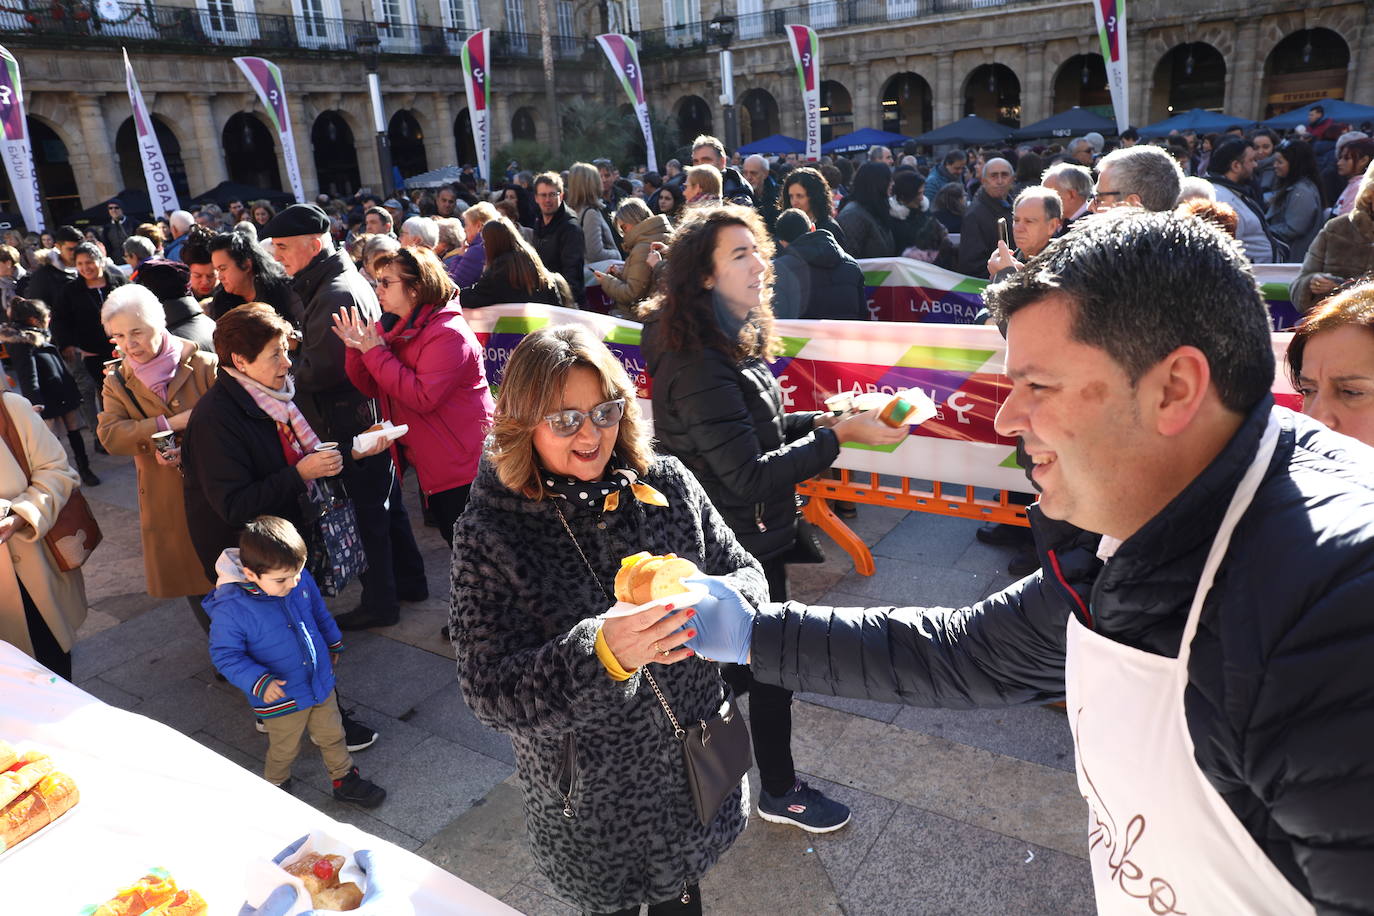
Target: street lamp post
x=369, y=47
x=722, y=30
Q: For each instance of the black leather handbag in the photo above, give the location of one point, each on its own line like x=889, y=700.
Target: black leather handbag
x=717, y=753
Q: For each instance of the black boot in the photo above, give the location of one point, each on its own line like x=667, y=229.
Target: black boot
x=83, y=461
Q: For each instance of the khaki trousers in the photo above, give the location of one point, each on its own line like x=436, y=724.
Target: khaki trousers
x=325, y=726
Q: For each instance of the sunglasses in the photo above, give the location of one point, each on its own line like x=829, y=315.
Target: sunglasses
x=566, y=423
x=388, y=282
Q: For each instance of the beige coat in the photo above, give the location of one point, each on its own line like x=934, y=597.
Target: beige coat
x=127, y=423
x=637, y=282
x=59, y=596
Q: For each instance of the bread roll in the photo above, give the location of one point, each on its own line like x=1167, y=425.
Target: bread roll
x=22, y=775
x=185, y=903
x=623, y=592
x=344, y=897
x=644, y=577
x=53, y=796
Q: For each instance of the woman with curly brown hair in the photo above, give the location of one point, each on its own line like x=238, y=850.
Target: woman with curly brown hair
x=707, y=342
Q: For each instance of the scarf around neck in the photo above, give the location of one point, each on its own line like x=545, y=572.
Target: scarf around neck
x=156, y=374
x=601, y=495
x=280, y=406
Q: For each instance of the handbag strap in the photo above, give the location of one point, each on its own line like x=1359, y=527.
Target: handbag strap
x=11, y=436
x=678, y=731
x=118, y=376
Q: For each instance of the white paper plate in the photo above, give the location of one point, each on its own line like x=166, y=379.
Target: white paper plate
x=694, y=593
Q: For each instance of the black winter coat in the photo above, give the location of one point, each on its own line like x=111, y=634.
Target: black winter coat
x=45, y=283
x=38, y=366
x=277, y=293
x=524, y=628
x=233, y=470
x=562, y=247
x=724, y=419
x=76, y=315
x=813, y=277
x=978, y=233
x=492, y=288
x=1280, y=695
x=187, y=321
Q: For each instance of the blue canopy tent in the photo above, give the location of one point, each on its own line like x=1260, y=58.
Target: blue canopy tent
x=860, y=140
x=969, y=129
x=1072, y=123
x=773, y=146
x=1195, y=119
x=1335, y=109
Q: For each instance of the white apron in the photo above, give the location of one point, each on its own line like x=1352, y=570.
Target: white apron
x=1161, y=839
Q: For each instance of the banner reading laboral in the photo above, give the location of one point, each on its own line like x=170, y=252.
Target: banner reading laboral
x=271, y=89
x=18, y=153
x=161, y=193
x=624, y=56
x=477, y=79
x=806, y=52
x=1111, y=30
x=961, y=367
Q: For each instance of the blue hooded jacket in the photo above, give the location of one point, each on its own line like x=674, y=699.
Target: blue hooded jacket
x=256, y=638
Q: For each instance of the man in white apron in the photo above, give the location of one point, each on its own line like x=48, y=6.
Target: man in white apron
x=1206, y=604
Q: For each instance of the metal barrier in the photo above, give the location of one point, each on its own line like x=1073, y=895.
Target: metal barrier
x=862, y=487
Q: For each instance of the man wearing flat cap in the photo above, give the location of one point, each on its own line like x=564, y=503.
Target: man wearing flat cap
x=326, y=281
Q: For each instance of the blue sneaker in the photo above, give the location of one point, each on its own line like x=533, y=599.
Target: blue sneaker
x=803, y=807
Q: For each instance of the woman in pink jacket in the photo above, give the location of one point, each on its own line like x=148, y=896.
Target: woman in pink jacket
x=427, y=372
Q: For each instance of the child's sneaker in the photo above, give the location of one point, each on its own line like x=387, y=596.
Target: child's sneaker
x=353, y=788
x=803, y=807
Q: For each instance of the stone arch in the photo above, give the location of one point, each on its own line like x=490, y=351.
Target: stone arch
x=758, y=115
x=407, y=138
x=837, y=110
x=693, y=118
x=336, y=154
x=462, y=138
x=524, y=123
x=1304, y=66
x=993, y=91
x=1189, y=75
x=906, y=105
x=131, y=164
x=1081, y=81
x=56, y=178
x=250, y=151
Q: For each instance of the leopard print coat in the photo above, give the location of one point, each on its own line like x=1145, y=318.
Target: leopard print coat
x=607, y=805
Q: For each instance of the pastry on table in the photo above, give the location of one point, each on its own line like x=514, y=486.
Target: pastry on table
x=644, y=577
x=155, y=894
x=51, y=797
x=320, y=875
x=22, y=775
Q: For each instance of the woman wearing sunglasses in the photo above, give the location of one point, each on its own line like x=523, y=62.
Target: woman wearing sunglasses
x=427, y=373
x=570, y=487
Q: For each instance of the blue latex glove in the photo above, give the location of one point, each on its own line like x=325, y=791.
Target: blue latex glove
x=724, y=622
x=375, y=902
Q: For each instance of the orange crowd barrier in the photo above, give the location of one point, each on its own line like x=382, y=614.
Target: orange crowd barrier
x=863, y=487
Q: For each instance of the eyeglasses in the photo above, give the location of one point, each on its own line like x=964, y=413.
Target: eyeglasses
x=566, y=423
x=388, y=282
x=1101, y=194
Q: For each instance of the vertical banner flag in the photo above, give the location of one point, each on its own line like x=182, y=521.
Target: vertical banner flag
x=624, y=56
x=1111, y=29
x=18, y=153
x=477, y=79
x=265, y=77
x=806, y=52
x=161, y=193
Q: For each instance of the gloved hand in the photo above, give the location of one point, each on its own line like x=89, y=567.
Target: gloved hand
x=375, y=902
x=724, y=622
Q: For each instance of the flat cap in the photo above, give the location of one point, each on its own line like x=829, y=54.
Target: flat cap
x=297, y=219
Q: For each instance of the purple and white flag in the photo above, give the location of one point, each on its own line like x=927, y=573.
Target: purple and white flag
x=162, y=194
x=17, y=149
x=624, y=56
x=267, y=83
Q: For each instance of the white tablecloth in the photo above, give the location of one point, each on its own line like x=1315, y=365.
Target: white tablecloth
x=151, y=796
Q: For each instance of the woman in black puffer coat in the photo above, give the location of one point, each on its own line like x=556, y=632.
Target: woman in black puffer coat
x=718, y=408
x=610, y=816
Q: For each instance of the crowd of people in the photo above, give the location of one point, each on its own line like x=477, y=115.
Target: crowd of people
x=239, y=356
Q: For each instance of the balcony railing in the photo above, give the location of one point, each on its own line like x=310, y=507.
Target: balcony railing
x=222, y=25
x=823, y=14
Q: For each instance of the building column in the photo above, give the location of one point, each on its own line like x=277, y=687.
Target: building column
x=209, y=151
x=947, y=106
x=1035, y=89
x=1139, y=79
x=445, y=145
x=99, y=148
x=1243, y=72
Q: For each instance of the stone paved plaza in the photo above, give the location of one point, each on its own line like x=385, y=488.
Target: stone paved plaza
x=955, y=812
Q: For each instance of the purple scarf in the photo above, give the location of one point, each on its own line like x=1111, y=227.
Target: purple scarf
x=157, y=372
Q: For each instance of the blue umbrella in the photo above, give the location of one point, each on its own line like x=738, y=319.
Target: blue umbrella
x=862, y=139
x=776, y=144
x=1336, y=110
x=1195, y=119
x=968, y=129
x=1072, y=123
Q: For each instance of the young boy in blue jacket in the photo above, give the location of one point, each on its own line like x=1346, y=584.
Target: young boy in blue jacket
x=272, y=637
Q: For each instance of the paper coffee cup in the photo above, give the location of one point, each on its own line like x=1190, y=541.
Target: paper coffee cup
x=164, y=441
x=839, y=403
x=327, y=447
x=5, y=505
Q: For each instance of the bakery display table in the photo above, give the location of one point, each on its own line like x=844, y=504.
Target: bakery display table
x=153, y=798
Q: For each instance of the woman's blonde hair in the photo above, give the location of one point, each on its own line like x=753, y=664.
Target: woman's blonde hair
x=479, y=214
x=584, y=186
x=1364, y=198
x=531, y=388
